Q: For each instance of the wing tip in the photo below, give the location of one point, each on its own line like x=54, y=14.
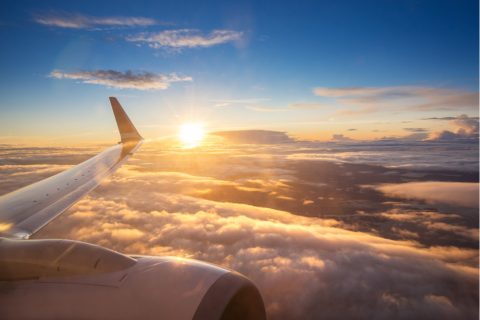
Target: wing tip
x=127, y=130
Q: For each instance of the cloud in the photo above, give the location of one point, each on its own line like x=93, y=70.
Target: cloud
x=453, y=101
x=13, y=177
x=467, y=128
x=457, y=193
x=353, y=91
x=291, y=259
x=253, y=136
x=441, y=96
x=354, y=113
x=416, y=129
x=466, y=125
x=414, y=137
x=418, y=136
x=185, y=38
x=360, y=102
x=340, y=137
x=129, y=80
x=397, y=154
x=445, y=135
x=402, y=98
x=264, y=109
x=458, y=230
x=81, y=21
x=221, y=104
x=448, y=118
x=305, y=267
x=307, y=105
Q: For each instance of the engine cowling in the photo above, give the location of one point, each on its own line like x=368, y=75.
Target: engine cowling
x=144, y=287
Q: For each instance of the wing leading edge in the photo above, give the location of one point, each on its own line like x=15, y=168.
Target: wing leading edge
x=25, y=211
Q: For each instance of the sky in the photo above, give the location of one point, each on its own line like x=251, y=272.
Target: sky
x=340, y=172
x=368, y=70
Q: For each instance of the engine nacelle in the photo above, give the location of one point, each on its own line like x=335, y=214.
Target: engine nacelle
x=53, y=283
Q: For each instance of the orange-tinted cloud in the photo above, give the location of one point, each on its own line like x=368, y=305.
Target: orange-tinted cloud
x=292, y=259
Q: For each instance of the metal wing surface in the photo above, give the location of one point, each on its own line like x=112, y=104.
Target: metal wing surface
x=25, y=211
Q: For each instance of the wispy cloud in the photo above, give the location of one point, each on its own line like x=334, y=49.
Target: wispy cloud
x=80, y=21
x=416, y=136
x=364, y=102
x=141, y=80
x=185, y=38
x=450, y=118
x=365, y=111
x=416, y=129
x=307, y=105
x=402, y=98
x=221, y=104
x=264, y=109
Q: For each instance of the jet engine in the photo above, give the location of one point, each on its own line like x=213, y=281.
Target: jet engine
x=64, y=279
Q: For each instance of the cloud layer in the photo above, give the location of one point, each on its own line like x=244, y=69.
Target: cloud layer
x=129, y=80
x=81, y=21
x=349, y=252
x=304, y=267
x=185, y=38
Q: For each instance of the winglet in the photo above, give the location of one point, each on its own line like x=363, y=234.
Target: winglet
x=125, y=126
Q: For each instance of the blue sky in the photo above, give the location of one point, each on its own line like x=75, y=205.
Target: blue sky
x=269, y=57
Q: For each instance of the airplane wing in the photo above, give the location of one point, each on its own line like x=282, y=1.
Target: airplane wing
x=25, y=211
x=66, y=279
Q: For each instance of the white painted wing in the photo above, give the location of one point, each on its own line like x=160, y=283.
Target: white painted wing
x=25, y=211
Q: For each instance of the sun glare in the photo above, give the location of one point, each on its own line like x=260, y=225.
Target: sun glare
x=191, y=133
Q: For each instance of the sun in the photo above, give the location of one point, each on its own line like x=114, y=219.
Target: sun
x=191, y=133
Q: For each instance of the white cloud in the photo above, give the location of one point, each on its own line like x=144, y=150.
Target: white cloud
x=456, y=193
x=185, y=38
x=81, y=21
x=141, y=80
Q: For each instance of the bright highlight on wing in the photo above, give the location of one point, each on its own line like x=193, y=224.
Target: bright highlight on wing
x=191, y=133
